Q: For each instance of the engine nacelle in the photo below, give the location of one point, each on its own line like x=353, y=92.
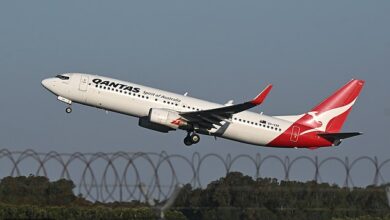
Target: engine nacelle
x=146, y=123
x=166, y=117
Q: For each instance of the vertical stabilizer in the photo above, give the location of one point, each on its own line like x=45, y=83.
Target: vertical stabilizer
x=330, y=115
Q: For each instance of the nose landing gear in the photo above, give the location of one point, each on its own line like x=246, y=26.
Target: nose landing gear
x=68, y=110
x=191, y=139
x=67, y=101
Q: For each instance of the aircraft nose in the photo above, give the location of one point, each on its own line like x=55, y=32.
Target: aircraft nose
x=45, y=83
x=49, y=84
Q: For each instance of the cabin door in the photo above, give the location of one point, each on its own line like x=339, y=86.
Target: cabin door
x=295, y=134
x=84, y=83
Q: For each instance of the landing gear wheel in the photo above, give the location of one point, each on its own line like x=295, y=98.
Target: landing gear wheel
x=191, y=139
x=68, y=110
x=188, y=141
x=195, y=138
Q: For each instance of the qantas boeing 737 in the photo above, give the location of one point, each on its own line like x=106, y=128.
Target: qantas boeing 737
x=165, y=111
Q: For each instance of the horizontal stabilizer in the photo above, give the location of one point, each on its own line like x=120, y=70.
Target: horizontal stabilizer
x=336, y=138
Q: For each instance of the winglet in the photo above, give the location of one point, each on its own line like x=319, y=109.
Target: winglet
x=261, y=97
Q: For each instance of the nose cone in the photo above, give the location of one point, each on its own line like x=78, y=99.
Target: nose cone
x=45, y=83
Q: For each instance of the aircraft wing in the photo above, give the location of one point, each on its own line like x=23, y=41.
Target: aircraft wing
x=211, y=117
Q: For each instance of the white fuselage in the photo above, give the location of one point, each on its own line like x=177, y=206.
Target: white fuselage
x=137, y=100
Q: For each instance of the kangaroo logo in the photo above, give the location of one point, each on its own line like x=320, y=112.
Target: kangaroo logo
x=176, y=122
x=315, y=119
x=322, y=120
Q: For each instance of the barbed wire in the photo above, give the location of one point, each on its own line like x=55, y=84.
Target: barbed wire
x=123, y=176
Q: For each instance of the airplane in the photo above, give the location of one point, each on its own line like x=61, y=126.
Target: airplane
x=164, y=111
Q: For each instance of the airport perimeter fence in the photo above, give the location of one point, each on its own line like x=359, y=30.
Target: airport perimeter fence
x=124, y=176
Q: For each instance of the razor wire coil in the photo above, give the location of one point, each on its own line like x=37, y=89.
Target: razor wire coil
x=119, y=176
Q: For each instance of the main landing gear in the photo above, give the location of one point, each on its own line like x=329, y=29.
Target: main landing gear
x=191, y=139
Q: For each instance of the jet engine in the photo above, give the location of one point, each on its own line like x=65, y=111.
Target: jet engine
x=162, y=120
x=166, y=117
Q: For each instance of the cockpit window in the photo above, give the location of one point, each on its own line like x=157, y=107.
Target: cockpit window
x=63, y=77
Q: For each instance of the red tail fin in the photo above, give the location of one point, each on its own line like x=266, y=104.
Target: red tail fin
x=330, y=115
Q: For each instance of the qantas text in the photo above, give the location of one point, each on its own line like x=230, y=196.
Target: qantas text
x=116, y=85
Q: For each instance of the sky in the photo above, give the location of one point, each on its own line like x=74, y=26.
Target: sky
x=214, y=50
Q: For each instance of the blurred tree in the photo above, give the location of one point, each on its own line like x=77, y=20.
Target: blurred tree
x=36, y=190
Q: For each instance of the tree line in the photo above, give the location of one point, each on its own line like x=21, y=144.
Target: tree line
x=241, y=197
x=35, y=197
x=235, y=196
